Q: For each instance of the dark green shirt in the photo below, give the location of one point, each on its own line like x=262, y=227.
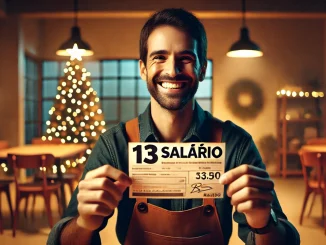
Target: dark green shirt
x=112, y=148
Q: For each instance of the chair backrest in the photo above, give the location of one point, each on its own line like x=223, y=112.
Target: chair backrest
x=316, y=141
x=4, y=144
x=39, y=141
x=313, y=160
x=32, y=162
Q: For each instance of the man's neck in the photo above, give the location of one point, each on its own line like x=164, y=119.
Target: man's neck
x=172, y=126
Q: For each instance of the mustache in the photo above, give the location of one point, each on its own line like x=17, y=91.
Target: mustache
x=179, y=77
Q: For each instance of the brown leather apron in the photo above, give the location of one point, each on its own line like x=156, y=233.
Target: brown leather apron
x=152, y=225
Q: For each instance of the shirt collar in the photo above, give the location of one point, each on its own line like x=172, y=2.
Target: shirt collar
x=196, y=132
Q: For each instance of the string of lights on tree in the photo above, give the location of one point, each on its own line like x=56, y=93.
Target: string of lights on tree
x=76, y=116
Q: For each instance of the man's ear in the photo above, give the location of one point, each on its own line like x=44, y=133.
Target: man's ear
x=202, y=72
x=143, y=70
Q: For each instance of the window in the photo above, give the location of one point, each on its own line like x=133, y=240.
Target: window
x=122, y=93
x=31, y=99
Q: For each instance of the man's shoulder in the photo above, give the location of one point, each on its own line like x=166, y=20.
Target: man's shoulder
x=116, y=132
x=231, y=130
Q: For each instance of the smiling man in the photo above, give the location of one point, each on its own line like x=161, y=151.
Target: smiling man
x=173, y=58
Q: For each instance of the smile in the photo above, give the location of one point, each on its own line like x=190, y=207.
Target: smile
x=169, y=85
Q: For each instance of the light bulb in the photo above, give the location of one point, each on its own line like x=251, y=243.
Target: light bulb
x=65, y=70
x=64, y=84
x=73, y=129
x=69, y=77
x=77, y=67
x=57, y=96
x=93, y=134
x=85, y=139
x=73, y=101
x=102, y=123
x=79, y=102
x=88, y=83
x=73, y=73
x=80, y=82
x=84, y=96
x=92, y=114
x=48, y=122
x=96, y=123
x=58, y=117
x=78, y=90
x=91, y=103
x=99, y=111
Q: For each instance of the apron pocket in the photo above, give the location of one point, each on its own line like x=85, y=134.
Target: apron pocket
x=157, y=239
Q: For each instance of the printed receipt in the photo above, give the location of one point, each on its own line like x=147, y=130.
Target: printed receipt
x=176, y=170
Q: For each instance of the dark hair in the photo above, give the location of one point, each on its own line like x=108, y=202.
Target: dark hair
x=181, y=19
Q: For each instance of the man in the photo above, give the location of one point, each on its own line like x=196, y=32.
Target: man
x=173, y=49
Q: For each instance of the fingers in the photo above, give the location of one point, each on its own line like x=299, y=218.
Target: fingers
x=98, y=197
x=250, y=205
x=110, y=172
x=250, y=193
x=102, y=183
x=243, y=169
x=92, y=209
x=250, y=181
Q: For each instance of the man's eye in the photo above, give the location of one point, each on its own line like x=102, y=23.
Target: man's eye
x=186, y=59
x=159, y=57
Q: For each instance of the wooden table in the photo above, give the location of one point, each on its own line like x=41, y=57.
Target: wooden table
x=60, y=152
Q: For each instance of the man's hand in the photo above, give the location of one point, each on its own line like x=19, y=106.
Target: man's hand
x=98, y=195
x=250, y=191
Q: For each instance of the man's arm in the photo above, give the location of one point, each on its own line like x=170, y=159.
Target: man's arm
x=252, y=193
x=92, y=203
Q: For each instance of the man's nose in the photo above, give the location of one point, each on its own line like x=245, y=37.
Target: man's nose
x=172, y=68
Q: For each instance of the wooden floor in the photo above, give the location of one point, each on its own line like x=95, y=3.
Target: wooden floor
x=290, y=192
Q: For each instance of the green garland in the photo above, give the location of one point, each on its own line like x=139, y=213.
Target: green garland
x=250, y=88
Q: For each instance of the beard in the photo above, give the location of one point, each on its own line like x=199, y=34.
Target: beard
x=172, y=101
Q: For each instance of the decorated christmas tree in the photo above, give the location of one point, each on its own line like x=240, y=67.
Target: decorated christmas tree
x=76, y=116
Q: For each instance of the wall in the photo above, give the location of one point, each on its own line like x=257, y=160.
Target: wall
x=292, y=54
x=32, y=36
x=10, y=91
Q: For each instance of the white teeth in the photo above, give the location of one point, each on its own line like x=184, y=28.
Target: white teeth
x=171, y=85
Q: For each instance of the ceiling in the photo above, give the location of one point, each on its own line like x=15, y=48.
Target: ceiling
x=54, y=6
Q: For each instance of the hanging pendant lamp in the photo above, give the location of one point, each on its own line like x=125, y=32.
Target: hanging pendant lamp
x=75, y=46
x=244, y=47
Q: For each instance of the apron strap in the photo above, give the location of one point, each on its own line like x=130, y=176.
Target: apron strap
x=139, y=200
x=216, y=136
x=132, y=128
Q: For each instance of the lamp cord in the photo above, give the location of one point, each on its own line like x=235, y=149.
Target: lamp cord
x=75, y=12
x=244, y=13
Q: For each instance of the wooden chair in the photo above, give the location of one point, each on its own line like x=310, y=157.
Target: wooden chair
x=314, y=184
x=44, y=188
x=316, y=141
x=69, y=179
x=4, y=187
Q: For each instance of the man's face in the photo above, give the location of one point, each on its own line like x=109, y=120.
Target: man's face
x=172, y=71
